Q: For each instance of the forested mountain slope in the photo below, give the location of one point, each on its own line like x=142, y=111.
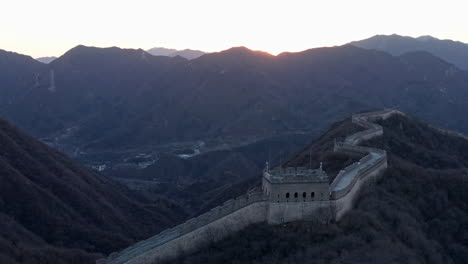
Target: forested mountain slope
x=415, y=213
x=55, y=211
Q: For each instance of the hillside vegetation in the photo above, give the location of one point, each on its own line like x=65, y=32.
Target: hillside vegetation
x=54, y=211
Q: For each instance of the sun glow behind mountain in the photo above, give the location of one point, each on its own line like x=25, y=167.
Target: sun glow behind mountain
x=51, y=27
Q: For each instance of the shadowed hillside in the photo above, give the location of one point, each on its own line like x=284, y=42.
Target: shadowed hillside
x=54, y=211
x=415, y=213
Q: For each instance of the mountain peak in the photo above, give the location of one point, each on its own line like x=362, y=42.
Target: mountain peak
x=245, y=50
x=451, y=51
x=426, y=38
x=82, y=49
x=94, y=55
x=239, y=49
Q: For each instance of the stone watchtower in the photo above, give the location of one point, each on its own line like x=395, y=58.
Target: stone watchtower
x=292, y=185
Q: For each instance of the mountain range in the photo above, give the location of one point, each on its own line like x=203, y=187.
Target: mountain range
x=93, y=99
x=451, y=51
x=186, y=53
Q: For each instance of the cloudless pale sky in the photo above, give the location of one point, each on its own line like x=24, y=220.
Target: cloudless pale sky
x=51, y=27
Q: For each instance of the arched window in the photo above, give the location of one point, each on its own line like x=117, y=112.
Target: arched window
x=287, y=195
x=304, y=195
x=295, y=195
x=312, y=194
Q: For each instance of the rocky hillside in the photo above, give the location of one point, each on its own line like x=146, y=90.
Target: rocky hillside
x=451, y=51
x=415, y=213
x=93, y=99
x=54, y=211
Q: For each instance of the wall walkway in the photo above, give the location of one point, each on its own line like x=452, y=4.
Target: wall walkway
x=349, y=181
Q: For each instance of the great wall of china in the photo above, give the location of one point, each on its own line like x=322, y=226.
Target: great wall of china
x=256, y=207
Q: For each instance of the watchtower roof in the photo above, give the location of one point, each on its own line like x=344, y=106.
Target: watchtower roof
x=296, y=175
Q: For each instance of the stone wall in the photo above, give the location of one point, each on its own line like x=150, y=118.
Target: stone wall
x=345, y=198
x=254, y=207
x=278, y=213
x=347, y=169
x=342, y=147
x=363, y=173
x=345, y=203
x=216, y=216
x=376, y=115
x=211, y=232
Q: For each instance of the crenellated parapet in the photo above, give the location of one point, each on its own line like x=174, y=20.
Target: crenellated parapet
x=295, y=175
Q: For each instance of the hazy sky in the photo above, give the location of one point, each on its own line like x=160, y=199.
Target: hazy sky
x=51, y=27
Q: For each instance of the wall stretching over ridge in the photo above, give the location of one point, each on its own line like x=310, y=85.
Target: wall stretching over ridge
x=362, y=173
x=220, y=221
x=215, y=231
x=254, y=207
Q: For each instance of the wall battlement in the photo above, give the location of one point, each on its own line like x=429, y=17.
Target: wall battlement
x=272, y=205
x=295, y=175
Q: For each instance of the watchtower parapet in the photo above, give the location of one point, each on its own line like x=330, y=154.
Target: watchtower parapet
x=295, y=175
x=293, y=184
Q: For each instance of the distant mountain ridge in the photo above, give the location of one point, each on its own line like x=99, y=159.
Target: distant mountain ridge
x=111, y=98
x=454, y=52
x=46, y=60
x=186, y=53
